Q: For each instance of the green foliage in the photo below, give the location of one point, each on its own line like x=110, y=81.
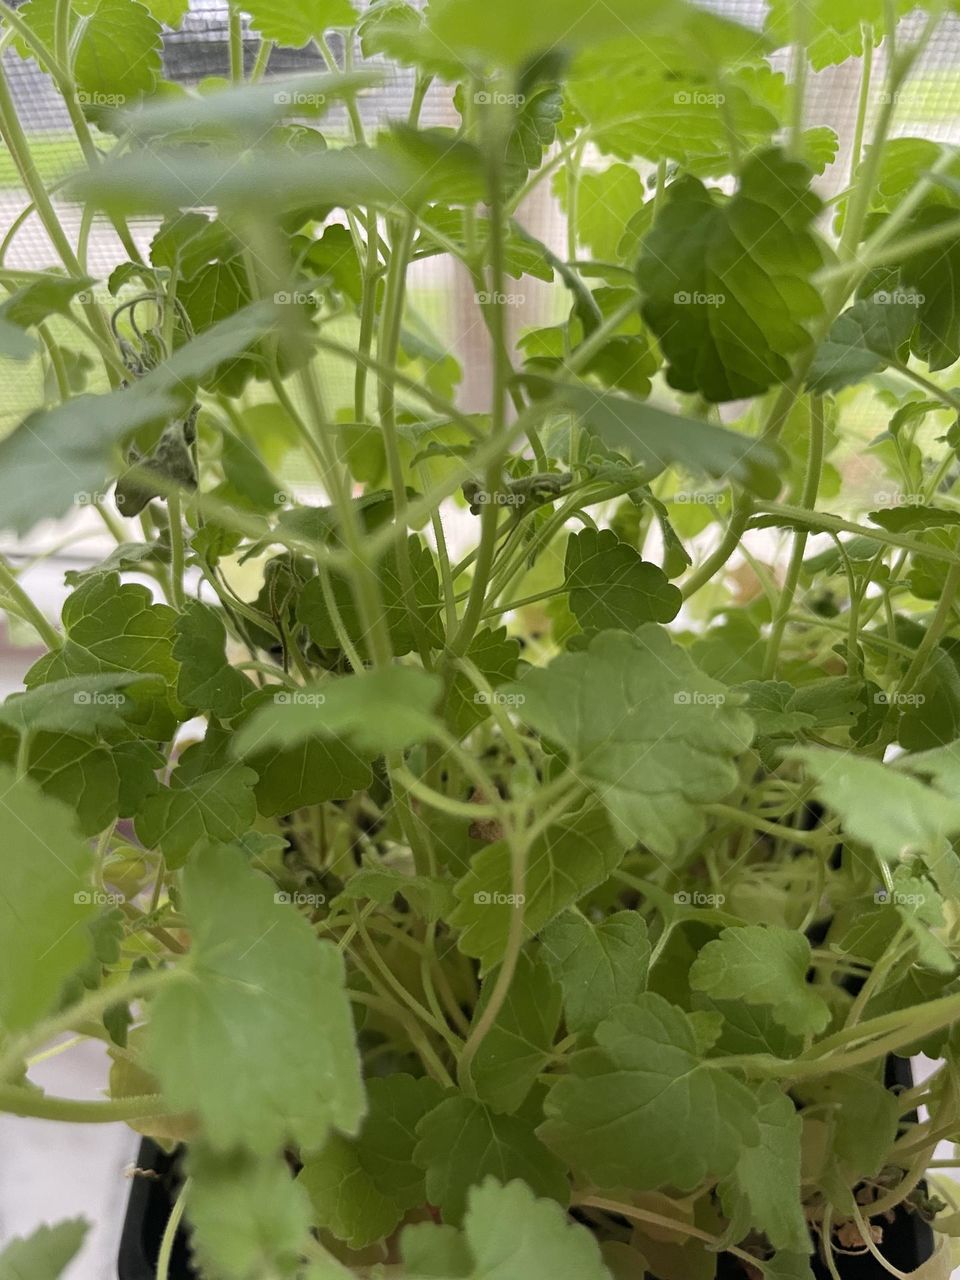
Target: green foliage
x=499, y=808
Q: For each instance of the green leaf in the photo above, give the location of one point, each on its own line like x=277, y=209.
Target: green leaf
x=495, y=655
x=313, y=613
x=258, y=1040
x=564, y=863
x=312, y=773
x=642, y=1110
x=912, y=518
x=246, y=108
x=599, y=966
x=646, y=731
x=506, y=36
x=429, y=897
x=205, y=801
x=727, y=286
x=360, y=1189
x=207, y=682
x=405, y=168
x=833, y=32
x=377, y=712
x=612, y=587
x=655, y=112
x=34, y=302
x=46, y=867
x=862, y=341
x=927, y=278
x=344, y=1199
x=65, y=455
x=461, y=1141
x=863, y=1116
x=188, y=241
x=518, y=1045
x=296, y=24
x=763, y=964
x=78, y=704
x=510, y=1233
x=79, y=772
x=605, y=204
x=114, y=627
x=397, y=1104
x=249, y=1217
x=884, y=807
x=45, y=1254
x=657, y=439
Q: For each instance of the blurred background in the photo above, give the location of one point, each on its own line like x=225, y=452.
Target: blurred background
x=50, y=1171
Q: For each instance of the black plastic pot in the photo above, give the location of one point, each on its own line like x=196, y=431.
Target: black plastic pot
x=153, y=1194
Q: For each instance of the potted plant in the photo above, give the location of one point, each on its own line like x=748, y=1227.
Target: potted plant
x=562, y=901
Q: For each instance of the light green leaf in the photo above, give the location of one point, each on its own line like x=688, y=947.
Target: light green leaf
x=650, y=111
x=510, y=1233
x=238, y=108
x=565, y=862
x=646, y=730
x=259, y=1039
x=911, y=518
x=764, y=1189
x=727, y=285
x=763, y=965
x=405, y=169
x=884, y=807
x=833, y=31
x=297, y=23
x=45, y=1254
x=249, y=1217
x=598, y=966
x=379, y=711
x=605, y=204
x=612, y=587
x=63, y=456
x=461, y=1141
x=642, y=1110
x=657, y=440
x=78, y=704
x=517, y=1046
x=46, y=865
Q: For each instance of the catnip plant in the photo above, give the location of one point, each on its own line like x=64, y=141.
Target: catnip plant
x=551, y=907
